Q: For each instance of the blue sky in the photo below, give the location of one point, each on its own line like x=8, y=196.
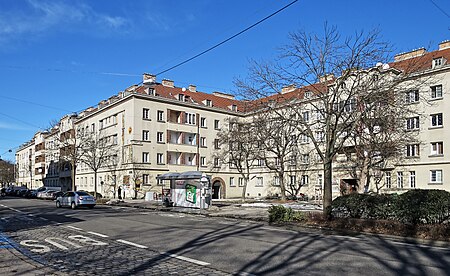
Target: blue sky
x=58, y=57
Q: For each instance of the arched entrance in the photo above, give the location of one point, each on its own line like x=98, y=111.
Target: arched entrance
x=218, y=188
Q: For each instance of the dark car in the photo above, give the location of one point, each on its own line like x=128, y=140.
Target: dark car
x=30, y=194
x=22, y=192
x=55, y=195
x=3, y=192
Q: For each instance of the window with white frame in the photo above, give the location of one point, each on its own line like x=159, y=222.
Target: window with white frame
x=216, y=162
x=203, y=161
x=320, y=136
x=438, y=62
x=387, y=180
x=160, y=137
x=145, y=113
x=260, y=162
x=160, y=116
x=145, y=134
x=203, y=142
x=159, y=158
x=216, y=143
x=203, y=122
x=208, y=103
x=319, y=179
x=114, y=139
x=436, y=176
x=304, y=138
x=412, y=179
x=241, y=182
x=292, y=180
x=436, y=120
x=232, y=183
x=189, y=118
x=308, y=94
x=306, y=116
x=412, y=123
x=181, y=97
x=437, y=148
x=412, y=150
x=400, y=180
x=412, y=96
x=259, y=182
x=145, y=179
x=436, y=91
x=145, y=158
x=305, y=158
x=216, y=124
x=305, y=180
x=276, y=181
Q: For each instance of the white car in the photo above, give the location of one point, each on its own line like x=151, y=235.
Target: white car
x=75, y=199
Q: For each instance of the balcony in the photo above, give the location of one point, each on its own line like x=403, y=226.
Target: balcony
x=182, y=158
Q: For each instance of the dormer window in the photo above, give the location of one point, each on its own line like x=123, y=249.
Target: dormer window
x=150, y=91
x=438, y=62
x=181, y=97
x=208, y=103
x=234, y=107
x=308, y=94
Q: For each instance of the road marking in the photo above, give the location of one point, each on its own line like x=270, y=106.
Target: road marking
x=98, y=234
x=73, y=227
x=30, y=215
x=43, y=218
x=132, y=243
x=15, y=210
x=187, y=259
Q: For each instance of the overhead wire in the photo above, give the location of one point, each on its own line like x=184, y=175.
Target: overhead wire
x=439, y=8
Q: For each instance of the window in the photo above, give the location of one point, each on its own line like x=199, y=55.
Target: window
x=412, y=96
x=189, y=118
x=159, y=137
x=400, y=180
x=234, y=107
x=145, y=179
x=145, y=157
x=203, y=122
x=308, y=94
x=160, y=116
x=437, y=62
x=203, y=142
x=100, y=124
x=216, y=143
x=304, y=138
x=93, y=128
x=320, y=136
x=114, y=139
x=305, y=180
x=259, y=182
x=412, y=179
x=260, y=162
x=436, y=176
x=292, y=180
x=208, y=103
x=232, y=184
x=216, y=124
x=412, y=123
x=437, y=148
x=387, y=179
x=319, y=180
x=241, y=182
x=276, y=181
x=436, y=120
x=145, y=113
x=145, y=135
x=216, y=162
x=412, y=150
x=436, y=92
x=305, y=158
x=159, y=158
x=306, y=116
x=203, y=161
x=181, y=97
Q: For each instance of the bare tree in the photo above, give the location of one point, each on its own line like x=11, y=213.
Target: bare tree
x=97, y=149
x=331, y=72
x=238, y=148
x=6, y=172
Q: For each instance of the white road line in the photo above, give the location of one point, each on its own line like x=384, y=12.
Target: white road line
x=98, y=234
x=43, y=218
x=132, y=243
x=187, y=259
x=73, y=227
x=30, y=215
x=15, y=210
x=2, y=205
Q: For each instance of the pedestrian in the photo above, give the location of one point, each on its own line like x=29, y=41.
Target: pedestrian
x=119, y=193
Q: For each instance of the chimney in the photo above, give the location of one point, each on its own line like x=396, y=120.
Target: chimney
x=223, y=95
x=148, y=78
x=102, y=103
x=192, y=88
x=288, y=89
x=410, y=54
x=444, y=45
x=132, y=88
x=327, y=77
x=168, y=83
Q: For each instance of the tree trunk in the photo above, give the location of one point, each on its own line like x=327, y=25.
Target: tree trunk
x=364, y=176
x=327, y=187
x=244, y=188
x=95, y=184
x=73, y=174
x=282, y=186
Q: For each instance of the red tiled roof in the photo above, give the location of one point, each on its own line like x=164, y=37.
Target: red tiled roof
x=420, y=63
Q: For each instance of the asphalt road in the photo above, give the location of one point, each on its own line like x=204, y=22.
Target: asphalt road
x=110, y=240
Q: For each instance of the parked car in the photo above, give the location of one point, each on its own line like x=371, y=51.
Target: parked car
x=3, y=192
x=22, y=192
x=75, y=200
x=46, y=194
x=30, y=194
x=14, y=190
x=42, y=192
x=55, y=195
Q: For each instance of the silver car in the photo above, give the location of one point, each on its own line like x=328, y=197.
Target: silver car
x=75, y=199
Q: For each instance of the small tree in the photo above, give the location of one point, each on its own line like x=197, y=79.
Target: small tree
x=97, y=150
x=238, y=147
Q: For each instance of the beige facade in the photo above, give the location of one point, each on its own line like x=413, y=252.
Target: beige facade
x=158, y=128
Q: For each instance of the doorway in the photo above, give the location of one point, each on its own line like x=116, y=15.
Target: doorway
x=216, y=190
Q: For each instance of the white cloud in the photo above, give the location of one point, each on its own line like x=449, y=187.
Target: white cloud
x=40, y=17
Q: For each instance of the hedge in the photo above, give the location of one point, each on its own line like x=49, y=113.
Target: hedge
x=414, y=206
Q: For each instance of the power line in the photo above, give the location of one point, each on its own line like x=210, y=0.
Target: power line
x=228, y=39
x=19, y=120
x=37, y=104
x=439, y=8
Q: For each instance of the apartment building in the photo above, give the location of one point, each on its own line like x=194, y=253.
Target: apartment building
x=156, y=128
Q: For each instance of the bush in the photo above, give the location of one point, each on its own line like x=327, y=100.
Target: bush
x=415, y=206
x=280, y=214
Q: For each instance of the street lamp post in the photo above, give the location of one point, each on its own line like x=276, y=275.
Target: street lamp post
x=204, y=181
